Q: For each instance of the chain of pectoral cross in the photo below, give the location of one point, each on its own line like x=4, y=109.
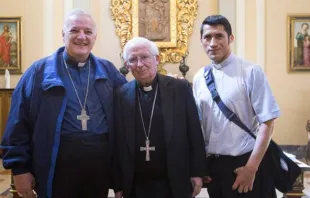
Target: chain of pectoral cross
x=83, y=117
x=147, y=147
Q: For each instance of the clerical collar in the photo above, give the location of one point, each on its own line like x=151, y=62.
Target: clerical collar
x=225, y=62
x=72, y=62
x=148, y=88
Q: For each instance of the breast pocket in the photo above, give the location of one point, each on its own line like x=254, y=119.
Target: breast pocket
x=236, y=91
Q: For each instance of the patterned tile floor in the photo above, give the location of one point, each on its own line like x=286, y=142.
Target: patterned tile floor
x=5, y=180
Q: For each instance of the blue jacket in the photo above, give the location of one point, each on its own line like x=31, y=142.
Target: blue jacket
x=32, y=135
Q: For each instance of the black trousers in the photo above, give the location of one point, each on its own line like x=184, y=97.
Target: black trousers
x=222, y=173
x=82, y=167
x=159, y=188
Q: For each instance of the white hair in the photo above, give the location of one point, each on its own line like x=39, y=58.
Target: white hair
x=76, y=12
x=139, y=41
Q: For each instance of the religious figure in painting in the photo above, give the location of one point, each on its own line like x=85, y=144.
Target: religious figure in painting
x=306, y=51
x=5, y=45
x=154, y=19
x=300, y=36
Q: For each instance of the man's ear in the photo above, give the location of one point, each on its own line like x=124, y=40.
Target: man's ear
x=127, y=66
x=157, y=59
x=231, y=38
x=63, y=35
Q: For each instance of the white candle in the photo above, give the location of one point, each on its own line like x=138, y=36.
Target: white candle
x=7, y=79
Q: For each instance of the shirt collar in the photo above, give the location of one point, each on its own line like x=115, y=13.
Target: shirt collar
x=148, y=88
x=225, y=62
x=71, y=62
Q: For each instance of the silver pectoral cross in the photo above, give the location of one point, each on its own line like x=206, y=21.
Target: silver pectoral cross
x=147, y=150
x=83, y=117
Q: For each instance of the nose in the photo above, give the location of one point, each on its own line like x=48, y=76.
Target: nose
x=139, y=62
x=81, y=35
x=213, y=42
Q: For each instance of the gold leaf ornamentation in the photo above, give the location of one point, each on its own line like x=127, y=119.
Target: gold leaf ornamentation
x=125, y=14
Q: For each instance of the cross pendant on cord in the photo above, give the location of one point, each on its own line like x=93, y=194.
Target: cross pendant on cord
x=147, y=150
x=83, y=117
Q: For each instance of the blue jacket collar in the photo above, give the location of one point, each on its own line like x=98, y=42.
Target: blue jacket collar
x=100, y=71
x=52, y=72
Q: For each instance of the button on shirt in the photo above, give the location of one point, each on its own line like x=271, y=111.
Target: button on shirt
x=97, y=122
x=244, y=89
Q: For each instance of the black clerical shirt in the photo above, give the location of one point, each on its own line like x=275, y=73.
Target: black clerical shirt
x=156, y=168
x=98, y=121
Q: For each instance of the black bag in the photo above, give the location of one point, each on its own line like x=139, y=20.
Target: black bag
x=283, y=180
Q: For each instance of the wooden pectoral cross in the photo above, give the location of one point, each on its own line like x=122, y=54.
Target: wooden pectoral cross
x=83, y=117
x=147, y=150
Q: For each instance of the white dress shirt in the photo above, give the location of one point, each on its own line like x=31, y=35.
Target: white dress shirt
x=244, y=89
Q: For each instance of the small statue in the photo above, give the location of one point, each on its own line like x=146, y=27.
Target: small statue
x=183, y=67
x=123, y=69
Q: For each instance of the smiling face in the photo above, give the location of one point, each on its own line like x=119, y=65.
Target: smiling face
x=142, y=63
x=79, y=35
x=216, y=42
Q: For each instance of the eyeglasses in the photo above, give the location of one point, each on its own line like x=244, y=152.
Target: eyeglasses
x=143, y=59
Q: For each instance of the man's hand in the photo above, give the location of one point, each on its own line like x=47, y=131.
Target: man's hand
x=197, y=184
x=24, y=184
x=119, y=194
x=175, y=76
x=245, y=179
x=207, y=179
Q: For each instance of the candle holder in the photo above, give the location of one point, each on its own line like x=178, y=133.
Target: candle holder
x=124, y=70
x=183, y=67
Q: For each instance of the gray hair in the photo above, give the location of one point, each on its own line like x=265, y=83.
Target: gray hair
x=76, y=12
x=137, y=41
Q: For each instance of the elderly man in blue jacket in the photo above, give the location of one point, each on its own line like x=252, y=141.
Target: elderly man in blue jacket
x=60, y=128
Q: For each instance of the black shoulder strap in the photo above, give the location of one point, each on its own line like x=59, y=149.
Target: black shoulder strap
x=230, y=115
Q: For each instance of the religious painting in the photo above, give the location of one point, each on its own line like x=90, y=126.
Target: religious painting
x=298, y=43
x=168, y=23
x=10, y=44
x=155, y=20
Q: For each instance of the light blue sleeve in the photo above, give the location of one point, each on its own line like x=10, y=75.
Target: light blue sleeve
x=262, y=99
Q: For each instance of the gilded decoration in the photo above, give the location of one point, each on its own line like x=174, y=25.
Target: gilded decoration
x=168, y=23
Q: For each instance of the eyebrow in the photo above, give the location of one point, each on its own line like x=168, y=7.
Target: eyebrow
x=213, y=34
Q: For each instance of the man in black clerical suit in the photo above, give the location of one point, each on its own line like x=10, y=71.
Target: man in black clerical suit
x=159, y=143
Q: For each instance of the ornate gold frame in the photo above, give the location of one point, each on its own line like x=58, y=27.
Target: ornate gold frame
x=182, y=15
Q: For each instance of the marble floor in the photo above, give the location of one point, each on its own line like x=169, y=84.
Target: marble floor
x=5, y=180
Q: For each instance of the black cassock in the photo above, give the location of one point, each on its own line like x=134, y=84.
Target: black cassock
x=175, y=133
